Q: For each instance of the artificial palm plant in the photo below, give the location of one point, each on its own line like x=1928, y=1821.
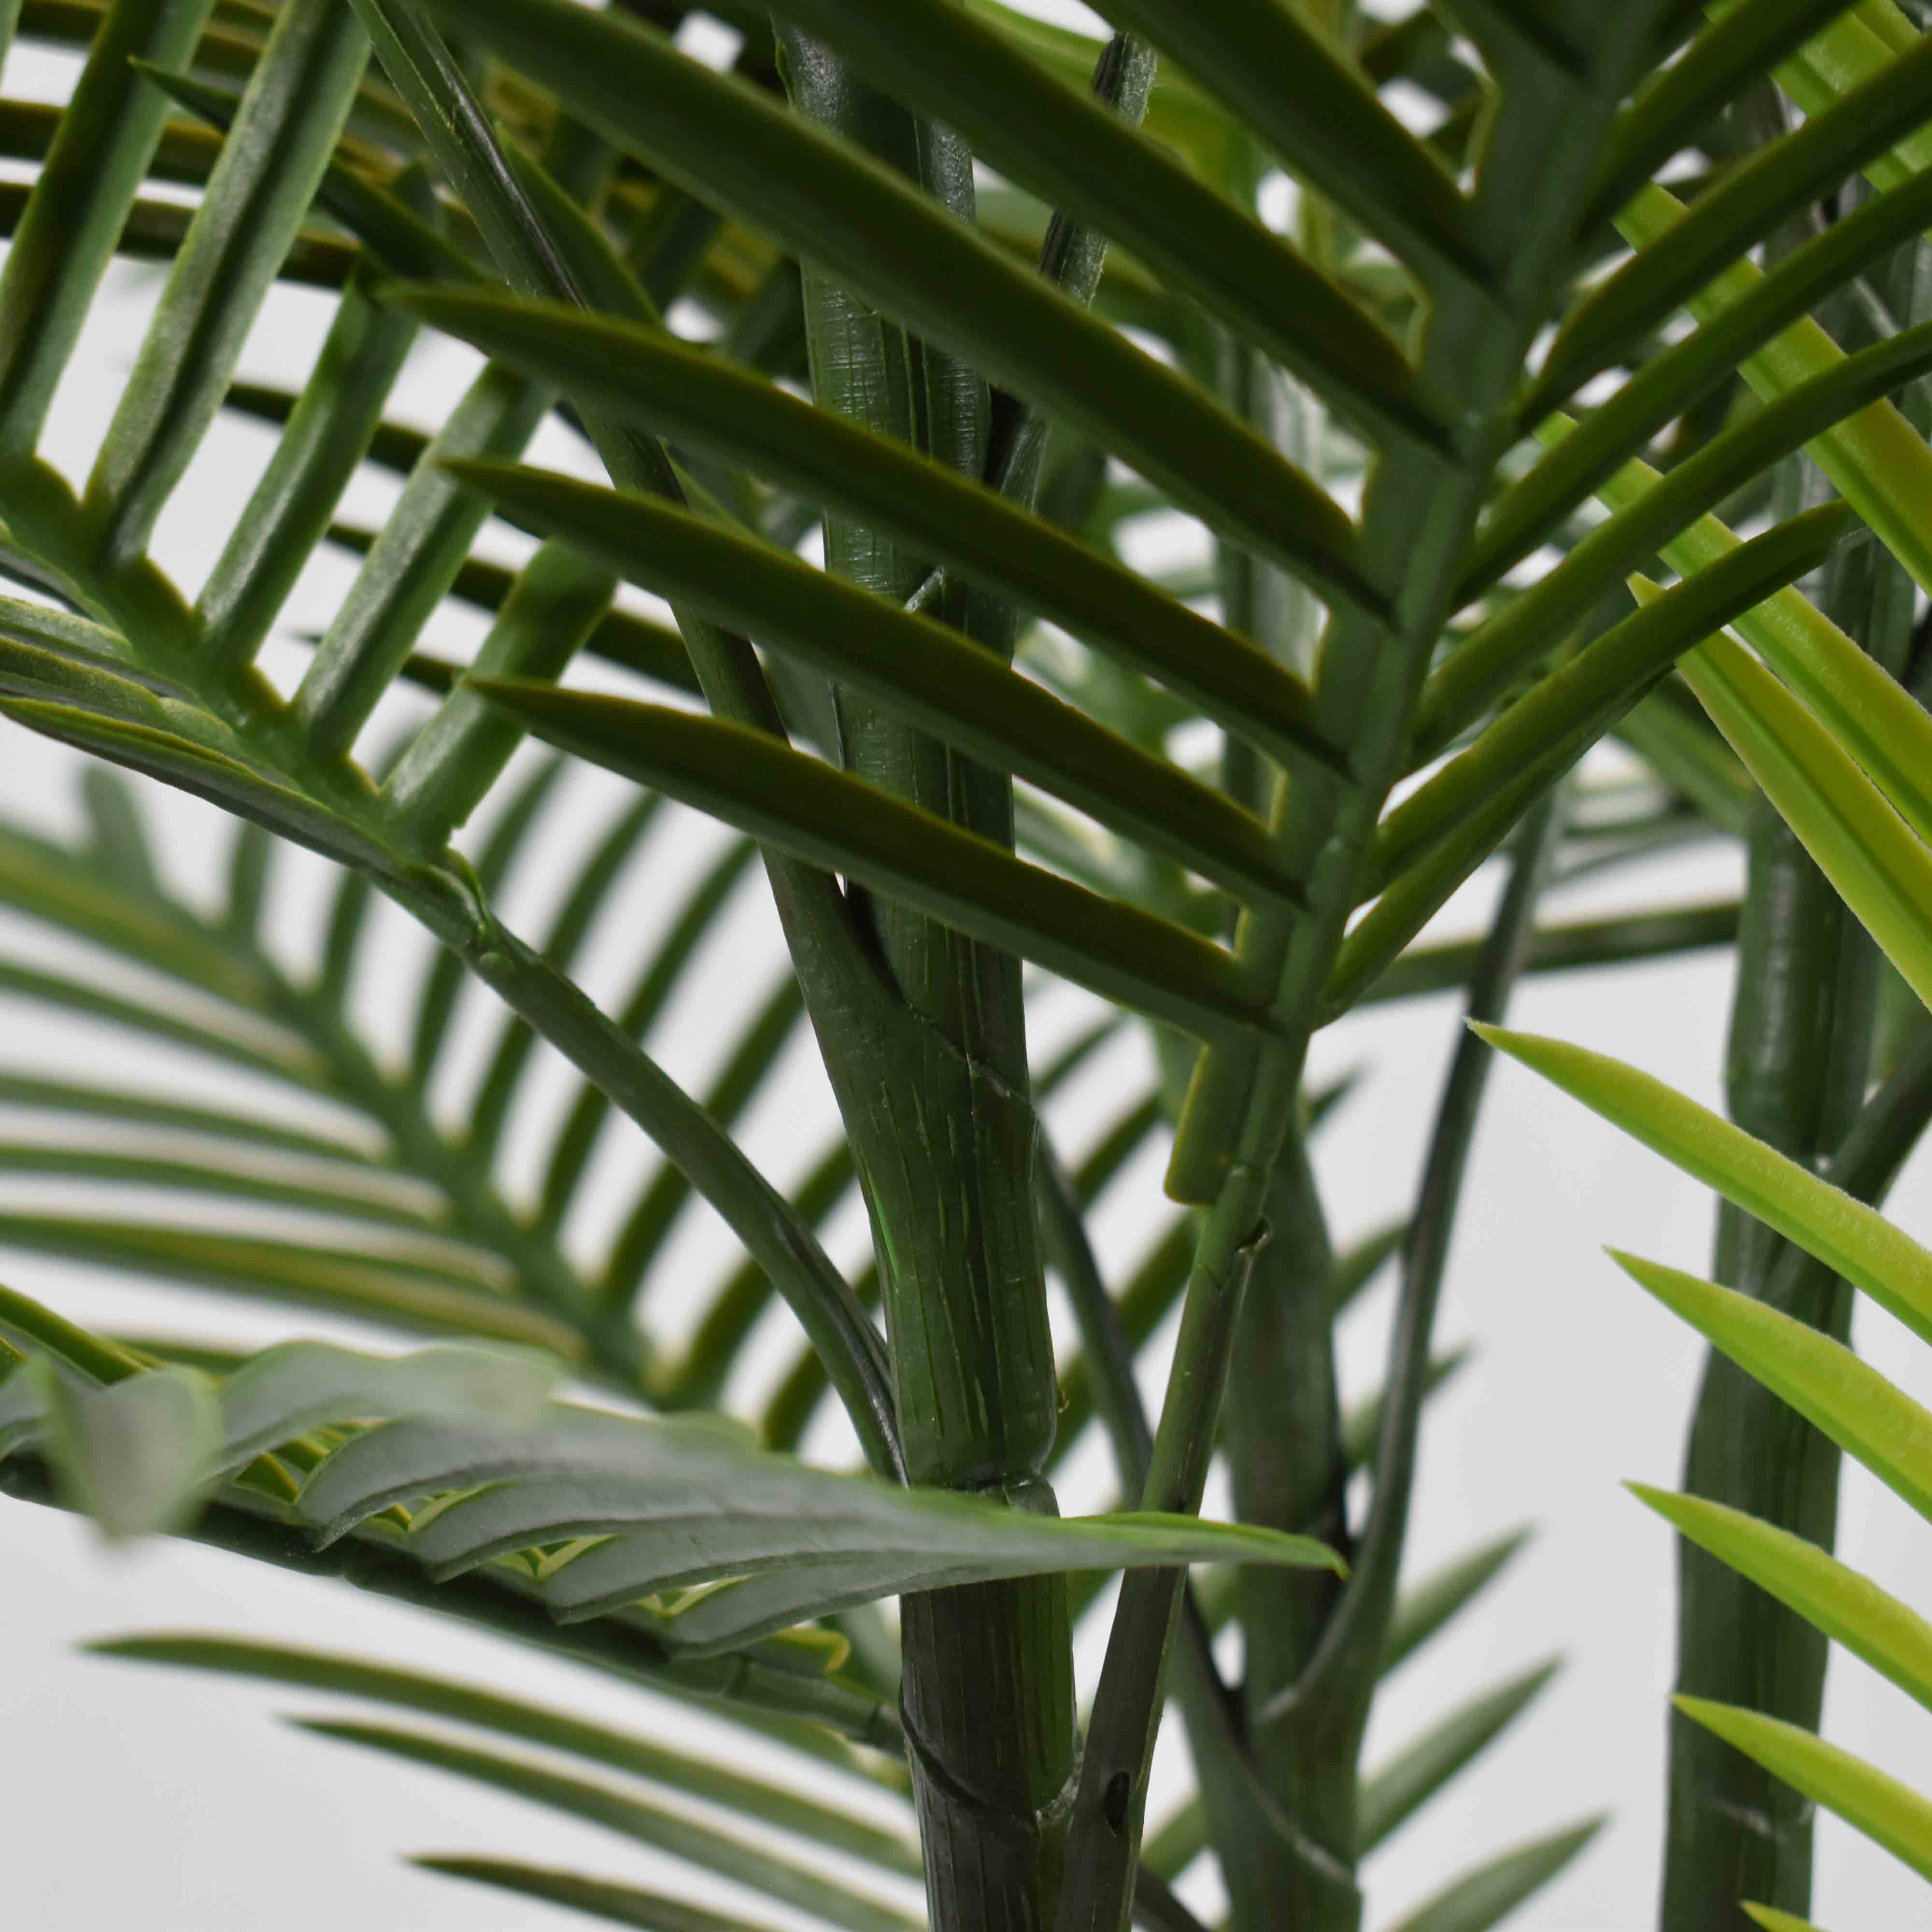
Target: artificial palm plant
x=972, y=298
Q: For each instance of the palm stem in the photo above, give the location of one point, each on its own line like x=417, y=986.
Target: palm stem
x=965, y=1295
x=1420, y=510
x=1797, y=1066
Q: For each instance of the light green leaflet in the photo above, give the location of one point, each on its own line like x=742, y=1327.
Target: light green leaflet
x=1854, y=1404
x=1854, y=1240
x=1884, y=1809
x=1830, y=1596
x=1881, y=870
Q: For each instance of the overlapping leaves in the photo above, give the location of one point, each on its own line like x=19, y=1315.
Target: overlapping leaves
x=622, y=176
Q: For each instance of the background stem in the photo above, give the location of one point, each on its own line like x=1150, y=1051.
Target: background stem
x=1799, y=1058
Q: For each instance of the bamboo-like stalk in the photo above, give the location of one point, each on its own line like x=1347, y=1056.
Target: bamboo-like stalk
x=1796, y=1069
x=1282, y=1427
x=941, y=1126
x=1417, y=519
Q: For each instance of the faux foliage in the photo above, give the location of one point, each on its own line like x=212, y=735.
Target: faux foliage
x=884, y=343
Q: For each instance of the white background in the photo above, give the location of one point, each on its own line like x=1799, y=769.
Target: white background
x=172, y=1804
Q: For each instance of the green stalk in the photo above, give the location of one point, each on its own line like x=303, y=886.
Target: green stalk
x=1282, y=1436
x=987, y=1687
x=1417, y=516
x=1796, y=1068
x=1282, y=1427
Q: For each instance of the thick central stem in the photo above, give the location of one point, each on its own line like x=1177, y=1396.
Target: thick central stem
x=941, y=1124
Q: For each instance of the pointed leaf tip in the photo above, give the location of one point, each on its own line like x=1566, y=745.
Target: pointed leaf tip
x=1773, y=1920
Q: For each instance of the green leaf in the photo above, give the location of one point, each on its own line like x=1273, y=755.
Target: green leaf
x=1564, y=948
x=236, y=787
x=361, y=1198
x=1828, y=1385
x=602, y=1898
x=1750, y=201
x=1849, y=1608
x=414, y=562
x=297, y=102
x=1876, y=458
x=753, y=1055
x=1853, y=1240
x=683, y=1500
x=1076, y=153
x=657, y=978
x=392, y=223
x=620, y=638
x=963, y=695
x=1884, y=730
x=1132, y=1129
x=298, y=1386
x=1881, y=1807
x=65, y=663
x=1882, y=871
x=77, y=640
x=1414, y=896
x=1178, y=114
x=516, y=823
x=1533, y=622
x=327, y=434
x=731, y=146
x=1530, y=511
x=1362, y=1425
x=1282, y=79
x=1425, y=1607
x=588, y=894
x=431, y=80
x=1772, y=1920
x=1674, y=738
x=1575, y=704
x=156, y=1111
x=1734, y=51
x=47, y=1334
x=273, y=1055
x=1357, y=1267
x=133, y=1454
x=732, y=1855
x=1392, y=1795
x=1486, y=1896
x=83, y=195
x=117, y=840
x=656, y=383
x=786, y=799
x=399, y=1291
x=557, y=600
x=775, y=1805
